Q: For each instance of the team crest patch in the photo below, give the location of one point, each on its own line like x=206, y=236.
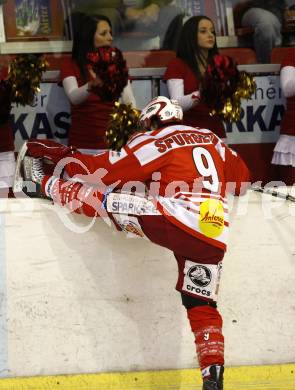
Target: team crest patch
x=211, y=220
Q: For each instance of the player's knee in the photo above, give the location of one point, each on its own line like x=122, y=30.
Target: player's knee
x=189, y=302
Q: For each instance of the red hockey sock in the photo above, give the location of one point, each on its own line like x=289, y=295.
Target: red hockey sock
x=206, y=324
x=49, y=149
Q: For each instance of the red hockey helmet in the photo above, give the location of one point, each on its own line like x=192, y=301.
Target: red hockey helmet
x=162, y=108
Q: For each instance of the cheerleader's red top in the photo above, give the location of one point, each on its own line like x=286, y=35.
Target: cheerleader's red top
x=197, y=116
x=88, y=119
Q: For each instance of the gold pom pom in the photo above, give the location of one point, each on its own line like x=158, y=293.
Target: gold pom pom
x=123, y=123
x=24, y=75
x=231, y=107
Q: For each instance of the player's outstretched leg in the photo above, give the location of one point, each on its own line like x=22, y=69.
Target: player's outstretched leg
x=48, y=149
x=35, y=158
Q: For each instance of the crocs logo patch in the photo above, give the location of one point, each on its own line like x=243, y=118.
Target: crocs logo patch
x=200, y=275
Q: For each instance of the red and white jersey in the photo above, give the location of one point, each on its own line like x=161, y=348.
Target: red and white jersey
x=186, y=171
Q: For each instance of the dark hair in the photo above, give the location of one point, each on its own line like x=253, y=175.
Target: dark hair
x=84, y=27
x=188, y=49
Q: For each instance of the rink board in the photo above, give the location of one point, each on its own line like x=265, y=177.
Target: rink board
x=101, y=301
x=279, y=377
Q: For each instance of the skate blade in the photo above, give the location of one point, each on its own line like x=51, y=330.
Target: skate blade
x=18, y=177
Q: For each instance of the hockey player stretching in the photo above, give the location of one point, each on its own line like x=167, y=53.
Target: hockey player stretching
x=171, y=181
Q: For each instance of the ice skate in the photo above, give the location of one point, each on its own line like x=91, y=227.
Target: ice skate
x=215, y=381
x=28, y=174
